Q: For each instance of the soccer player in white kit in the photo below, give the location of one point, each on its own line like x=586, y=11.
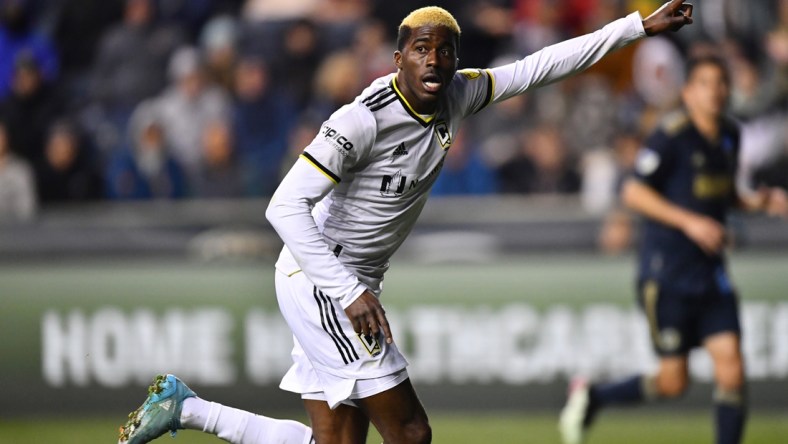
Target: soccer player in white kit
x=345, y=207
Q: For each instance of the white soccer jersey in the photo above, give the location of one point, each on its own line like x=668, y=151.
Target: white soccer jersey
x=355, y=193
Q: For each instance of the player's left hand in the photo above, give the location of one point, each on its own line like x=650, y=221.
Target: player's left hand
x=672, y=16
x=368, y=317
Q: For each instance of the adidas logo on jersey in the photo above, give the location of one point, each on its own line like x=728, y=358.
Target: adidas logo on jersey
x=400, y=150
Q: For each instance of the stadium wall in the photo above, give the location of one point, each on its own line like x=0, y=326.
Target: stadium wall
x=496, y=302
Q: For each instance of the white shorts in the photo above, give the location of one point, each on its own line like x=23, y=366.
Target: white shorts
x=331, y=362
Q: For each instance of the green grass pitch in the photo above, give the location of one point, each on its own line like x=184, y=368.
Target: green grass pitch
x=467, y=428
x=541, y=281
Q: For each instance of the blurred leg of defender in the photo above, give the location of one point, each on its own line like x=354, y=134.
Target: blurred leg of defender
x=673, y=323
x=585, y=400
x=730, y=407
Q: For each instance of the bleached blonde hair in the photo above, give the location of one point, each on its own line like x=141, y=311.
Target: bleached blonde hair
x=427, y=16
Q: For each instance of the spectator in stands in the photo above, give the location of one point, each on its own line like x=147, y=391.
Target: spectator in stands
x=338, y=81
x=486, y=29
x=538, y=25
x=658, y=76
x=147, y=170
x=218, y=43
x=263, y=119
x=753, y=94
x=187, y=106
x=259, y=10
x=17, y=183
x=30, y=109
x=77, y=27
x=301, y=135
x=194, y=14
x=300, y=48
x=339, y=20
x=774, y=174
x=373, y=47
x=220, y=175
x=18, y=37
x=605, y=169
x=543, y=165
x=132, y=58
x=776, y=46
x=590, y=120
x=496, y=131
x=67, y=173
x=464, y=171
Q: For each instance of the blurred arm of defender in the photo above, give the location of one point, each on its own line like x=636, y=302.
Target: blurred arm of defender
x=706, y=232
x=772, y=201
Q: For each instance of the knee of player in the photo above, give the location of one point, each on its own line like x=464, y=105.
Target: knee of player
x=672, y=386
x=731, y=378
x=729, y=372
x=418, y=432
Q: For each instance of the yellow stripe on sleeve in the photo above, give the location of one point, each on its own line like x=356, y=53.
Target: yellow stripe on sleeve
x=325, y=171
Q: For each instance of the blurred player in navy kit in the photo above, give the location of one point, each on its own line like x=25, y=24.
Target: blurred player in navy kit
x=683, y=185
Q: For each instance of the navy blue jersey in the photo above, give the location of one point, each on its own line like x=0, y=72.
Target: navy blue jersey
x=693, y=173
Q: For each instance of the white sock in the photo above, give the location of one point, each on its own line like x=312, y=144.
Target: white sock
x=239, y=426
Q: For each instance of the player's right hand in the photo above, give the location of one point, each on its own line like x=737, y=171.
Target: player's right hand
x=776, y=202
x=368, y=317
x=707, y=233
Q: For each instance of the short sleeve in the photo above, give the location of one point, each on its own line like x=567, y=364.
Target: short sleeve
x=654, y=160
x=343, y=140
x=474, y=89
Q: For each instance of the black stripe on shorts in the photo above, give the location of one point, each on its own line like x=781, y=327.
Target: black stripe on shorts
x=330, y=323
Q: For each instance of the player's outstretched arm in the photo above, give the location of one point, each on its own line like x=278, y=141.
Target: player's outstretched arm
x=672, y=16
x=569, y=57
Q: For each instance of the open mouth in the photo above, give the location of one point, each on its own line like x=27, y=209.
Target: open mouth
x=432, y=83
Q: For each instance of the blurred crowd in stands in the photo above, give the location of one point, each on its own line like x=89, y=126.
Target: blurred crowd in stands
x=172, y=99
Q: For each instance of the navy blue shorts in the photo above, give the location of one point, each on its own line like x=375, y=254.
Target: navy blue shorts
x=679, y=322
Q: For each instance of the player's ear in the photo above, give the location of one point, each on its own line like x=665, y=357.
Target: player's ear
x=398, y=59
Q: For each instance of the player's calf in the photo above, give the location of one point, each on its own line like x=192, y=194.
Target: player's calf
x=730, y=414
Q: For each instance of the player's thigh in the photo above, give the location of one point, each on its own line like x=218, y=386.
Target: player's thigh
x=725, y=351
x=343, y=425
x=398, y=415
x=319, y=323
x=671, y=317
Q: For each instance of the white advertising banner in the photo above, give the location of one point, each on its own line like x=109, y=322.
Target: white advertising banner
x=512, y=344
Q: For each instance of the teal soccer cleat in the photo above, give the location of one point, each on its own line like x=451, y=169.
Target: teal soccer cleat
x=161, y=411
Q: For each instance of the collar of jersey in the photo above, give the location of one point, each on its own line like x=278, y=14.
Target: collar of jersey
x=424, y=122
